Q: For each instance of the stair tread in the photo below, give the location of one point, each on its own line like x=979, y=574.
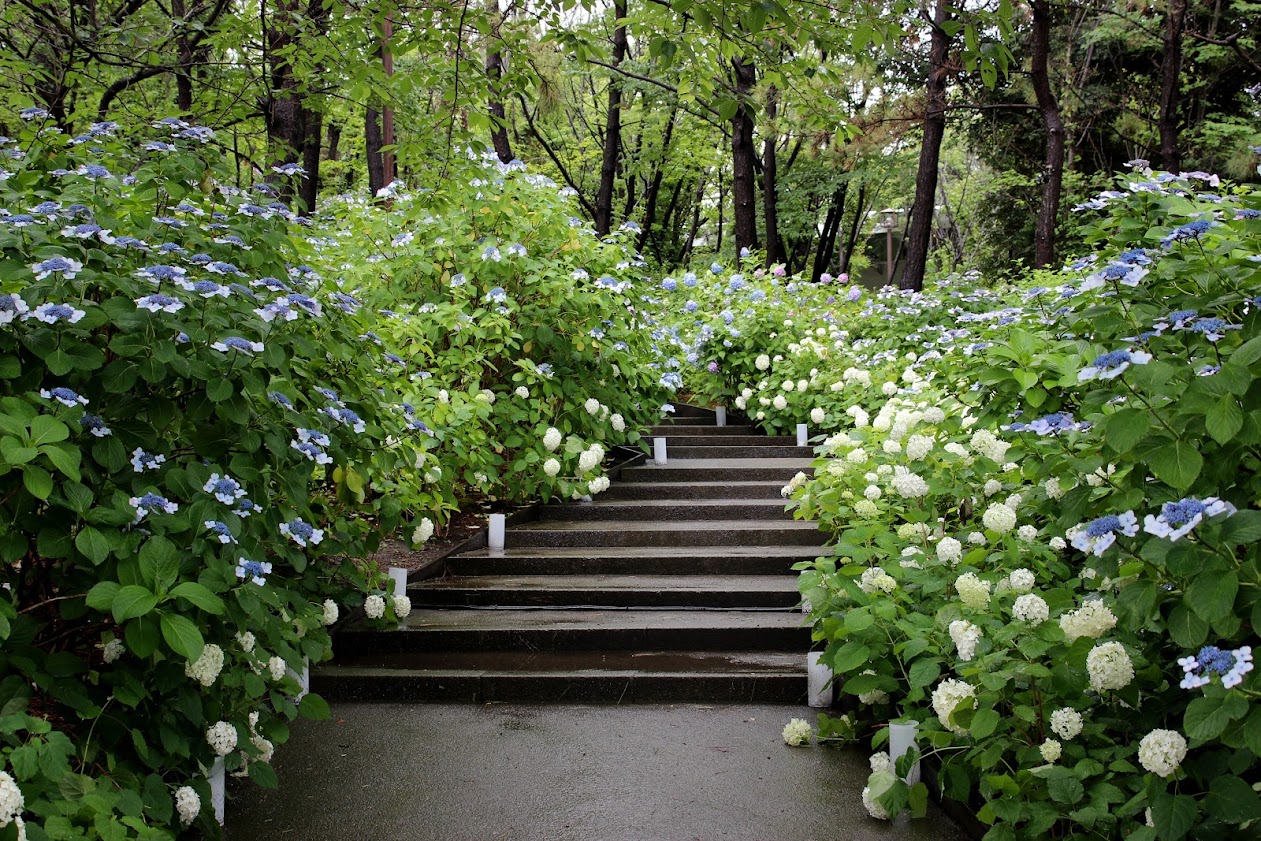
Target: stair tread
x=528, y=552
x=699, y=663
x=700, y=583
x=728, y=462
x=675, y=503
x=667, y=525
x=511, y=619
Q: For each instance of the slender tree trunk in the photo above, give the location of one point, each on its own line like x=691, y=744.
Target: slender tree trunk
x=855, y=228
x=184, y=50
x=310, y=187
x=372, y=144
x=612, y=129
x=1170, y=75
x=686, y=253
x=334, y=140
x=494, y=73
x=920, y=236
x=722, y=206
x=654, y=185
x=831, y=227
x=1053, y=166
x=743, y=174
x=770, y=197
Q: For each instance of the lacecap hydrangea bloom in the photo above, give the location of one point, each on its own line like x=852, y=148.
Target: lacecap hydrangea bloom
x=1096, y=536
x=1162, y=751
x=797, y=732
x=1177, y=519
x=1211, y=660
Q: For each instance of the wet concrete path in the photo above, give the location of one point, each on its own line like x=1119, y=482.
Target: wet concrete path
x=436, y=772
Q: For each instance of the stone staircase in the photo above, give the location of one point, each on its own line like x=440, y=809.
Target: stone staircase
x=672, y=586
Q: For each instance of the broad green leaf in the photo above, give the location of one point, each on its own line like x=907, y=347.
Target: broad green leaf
x=182, y=635
x=1213, y=596
x=1173, y=815
x=1232, y=800
x=923, y=672
x=132, y=601
x=984, y=723
x=94, y=545
x=46, y=429
x=1186, y=628
x=1123, y=429
x=101, y=596
x=198, y=595
x=314, y=707
x=1224, y=419
x=37, y=480
x=159, y=563
x=1177, y=464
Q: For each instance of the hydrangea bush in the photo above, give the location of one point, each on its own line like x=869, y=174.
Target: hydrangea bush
x=1043, y=504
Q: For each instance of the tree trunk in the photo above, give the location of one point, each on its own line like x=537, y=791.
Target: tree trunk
x=686, y=253
x=184, y=67
x=831, y=227
x=309, y=190
x=288, y=118
x=743, y=176
x=855, y=228
x=334, y=140
x=1170, y=74
x=654, y=185
x=920, y=235
x=495, y=72
x=1053, y=166
x=770, y=198
x=612, y=129
x=372, y=144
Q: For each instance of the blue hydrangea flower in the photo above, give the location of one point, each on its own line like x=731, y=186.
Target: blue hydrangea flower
x=96, y=425
x=224, y=488
x=330, y=395
x=64, y=396
x=1191, y=230
x=1177, y=519
x=277, y=285
x=238, y=344
x=1096, y=536
x=93, y=171
x=159, y=303
x=221, y=531
x=160, y=273
x=496, y=295
x=516, y=250
x=12, y=307
x=669, y=284
x=345, y=416
x=289, y=169
x=1111, y=364
x=277, y=311
x=1231, y=666
x=244, y=508
x=253, y=570
x=1051, y=424
x=63, y=266
x=280, y=399
x=150, y=503
x=491, y=253
x=302, y=533
x=312, y=451
x=1213, y=329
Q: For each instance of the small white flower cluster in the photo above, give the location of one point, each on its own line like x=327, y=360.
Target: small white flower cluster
x=973, y=592
x=331, y=612
x=276, y=668
x=221, y=736
x=187, y=804
x=246, y=640
x=205, y=669
x=1021, y=580
x=950, y=550
x=374, y=607
x=423, y=531
x=908, y=485
x=11, y=800
x=1066, y=723
x=590, y=458
x=552, y=439
x=617, y=422
x=869, y=802
x=1031, y=608
x=599, y=484
x=1162, y=751
x=1109, y=667
x=794, y=485
x=987, y=444
x=112, y=650
x=948, y=695
x=1051, y=750
x=402, y=606
x=999, y=517
x=919, y=446
x=551, y=467
x=875, y=696
x=797, y=732
x=965, y=636
x=875, y=579
x=1093, y=619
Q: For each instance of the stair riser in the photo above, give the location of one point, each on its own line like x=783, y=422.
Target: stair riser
x=610, y=510
x=683, y=491
x=673, y=439
x=672, y=430
x=433, y=597
x=688, y=451
x=672, y=473
x=690, y=414
x=769, y=536
x=567, y=689
x=569, y=639
x=684, y=566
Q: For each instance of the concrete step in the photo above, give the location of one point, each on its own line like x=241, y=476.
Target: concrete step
x=719, y=469
x=680, y=491
x=671, y=533
x=693, y=414
x=690, y=451
x=578, y=677
x=674, y=441
x=584, y=630
x=635, y=560
x=656, y=591
x=707, y=430
x=667, y=510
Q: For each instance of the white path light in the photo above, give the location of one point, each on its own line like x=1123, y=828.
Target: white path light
x=658, y=451
x=802, y=435
x=902, y=739
x=720, y=416
x=218, y=788
x=495, y=538
x=818, y=678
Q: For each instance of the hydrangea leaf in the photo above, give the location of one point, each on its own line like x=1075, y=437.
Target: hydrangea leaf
x=182, y=635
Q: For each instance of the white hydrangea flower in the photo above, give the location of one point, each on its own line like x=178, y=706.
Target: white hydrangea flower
x=779, y=402
x=523, y=392
x=976, y=538
x=999, y=517
x=187, y=804
x=880, y=761
x=1109, y=667
x=423, y=531
x=592, y=406
x=1021, y=580
x=331, y=611
x=1031, y=608
x=742, y=402
x=205, y=669
x=1053, y=488
x=973, y=592
x=950, y=550
x=600, y=484
x=909, y=485
x=276, y=668
x=112, y=650
x=797, y=732
x=866, y=508
x=617, y=422
x=1066, y=723
x=889, y=389
x=551, y=467
x=817, y=415
x=11, y=799
x=984, y=442
x=1093, y=619
x=948, y=695
x=873, y=492
x=374, y=607
x=875, y=579
x=965, y=636
x=891, y=447
x=762, y=362
x=788, y=385
x=919, y=446
x=1162, y=751
x=869, y=803
x=402, y=606
x=1051, y=750
x=221, y=736
x=1027, y=533
x=1057, y=543
x=875, y=696
x=803, y=385
x=552, y=439
x=590, y=457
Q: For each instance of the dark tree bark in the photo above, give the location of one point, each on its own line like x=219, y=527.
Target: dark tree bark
x=688, y=243
x=855, y=228
x=831, y=227
x=612, y=129
x=743, y=156
x=1053, y=166
x=494, y=73
x=309, y=189
x=372, y=143
x=1170, y=75
x=334, y=141
x=770, y=197
x=920, y=235
x=288, y=116
x=184, y=59
x=654, y=185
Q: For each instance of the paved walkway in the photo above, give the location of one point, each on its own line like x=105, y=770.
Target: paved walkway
x=437, y=772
